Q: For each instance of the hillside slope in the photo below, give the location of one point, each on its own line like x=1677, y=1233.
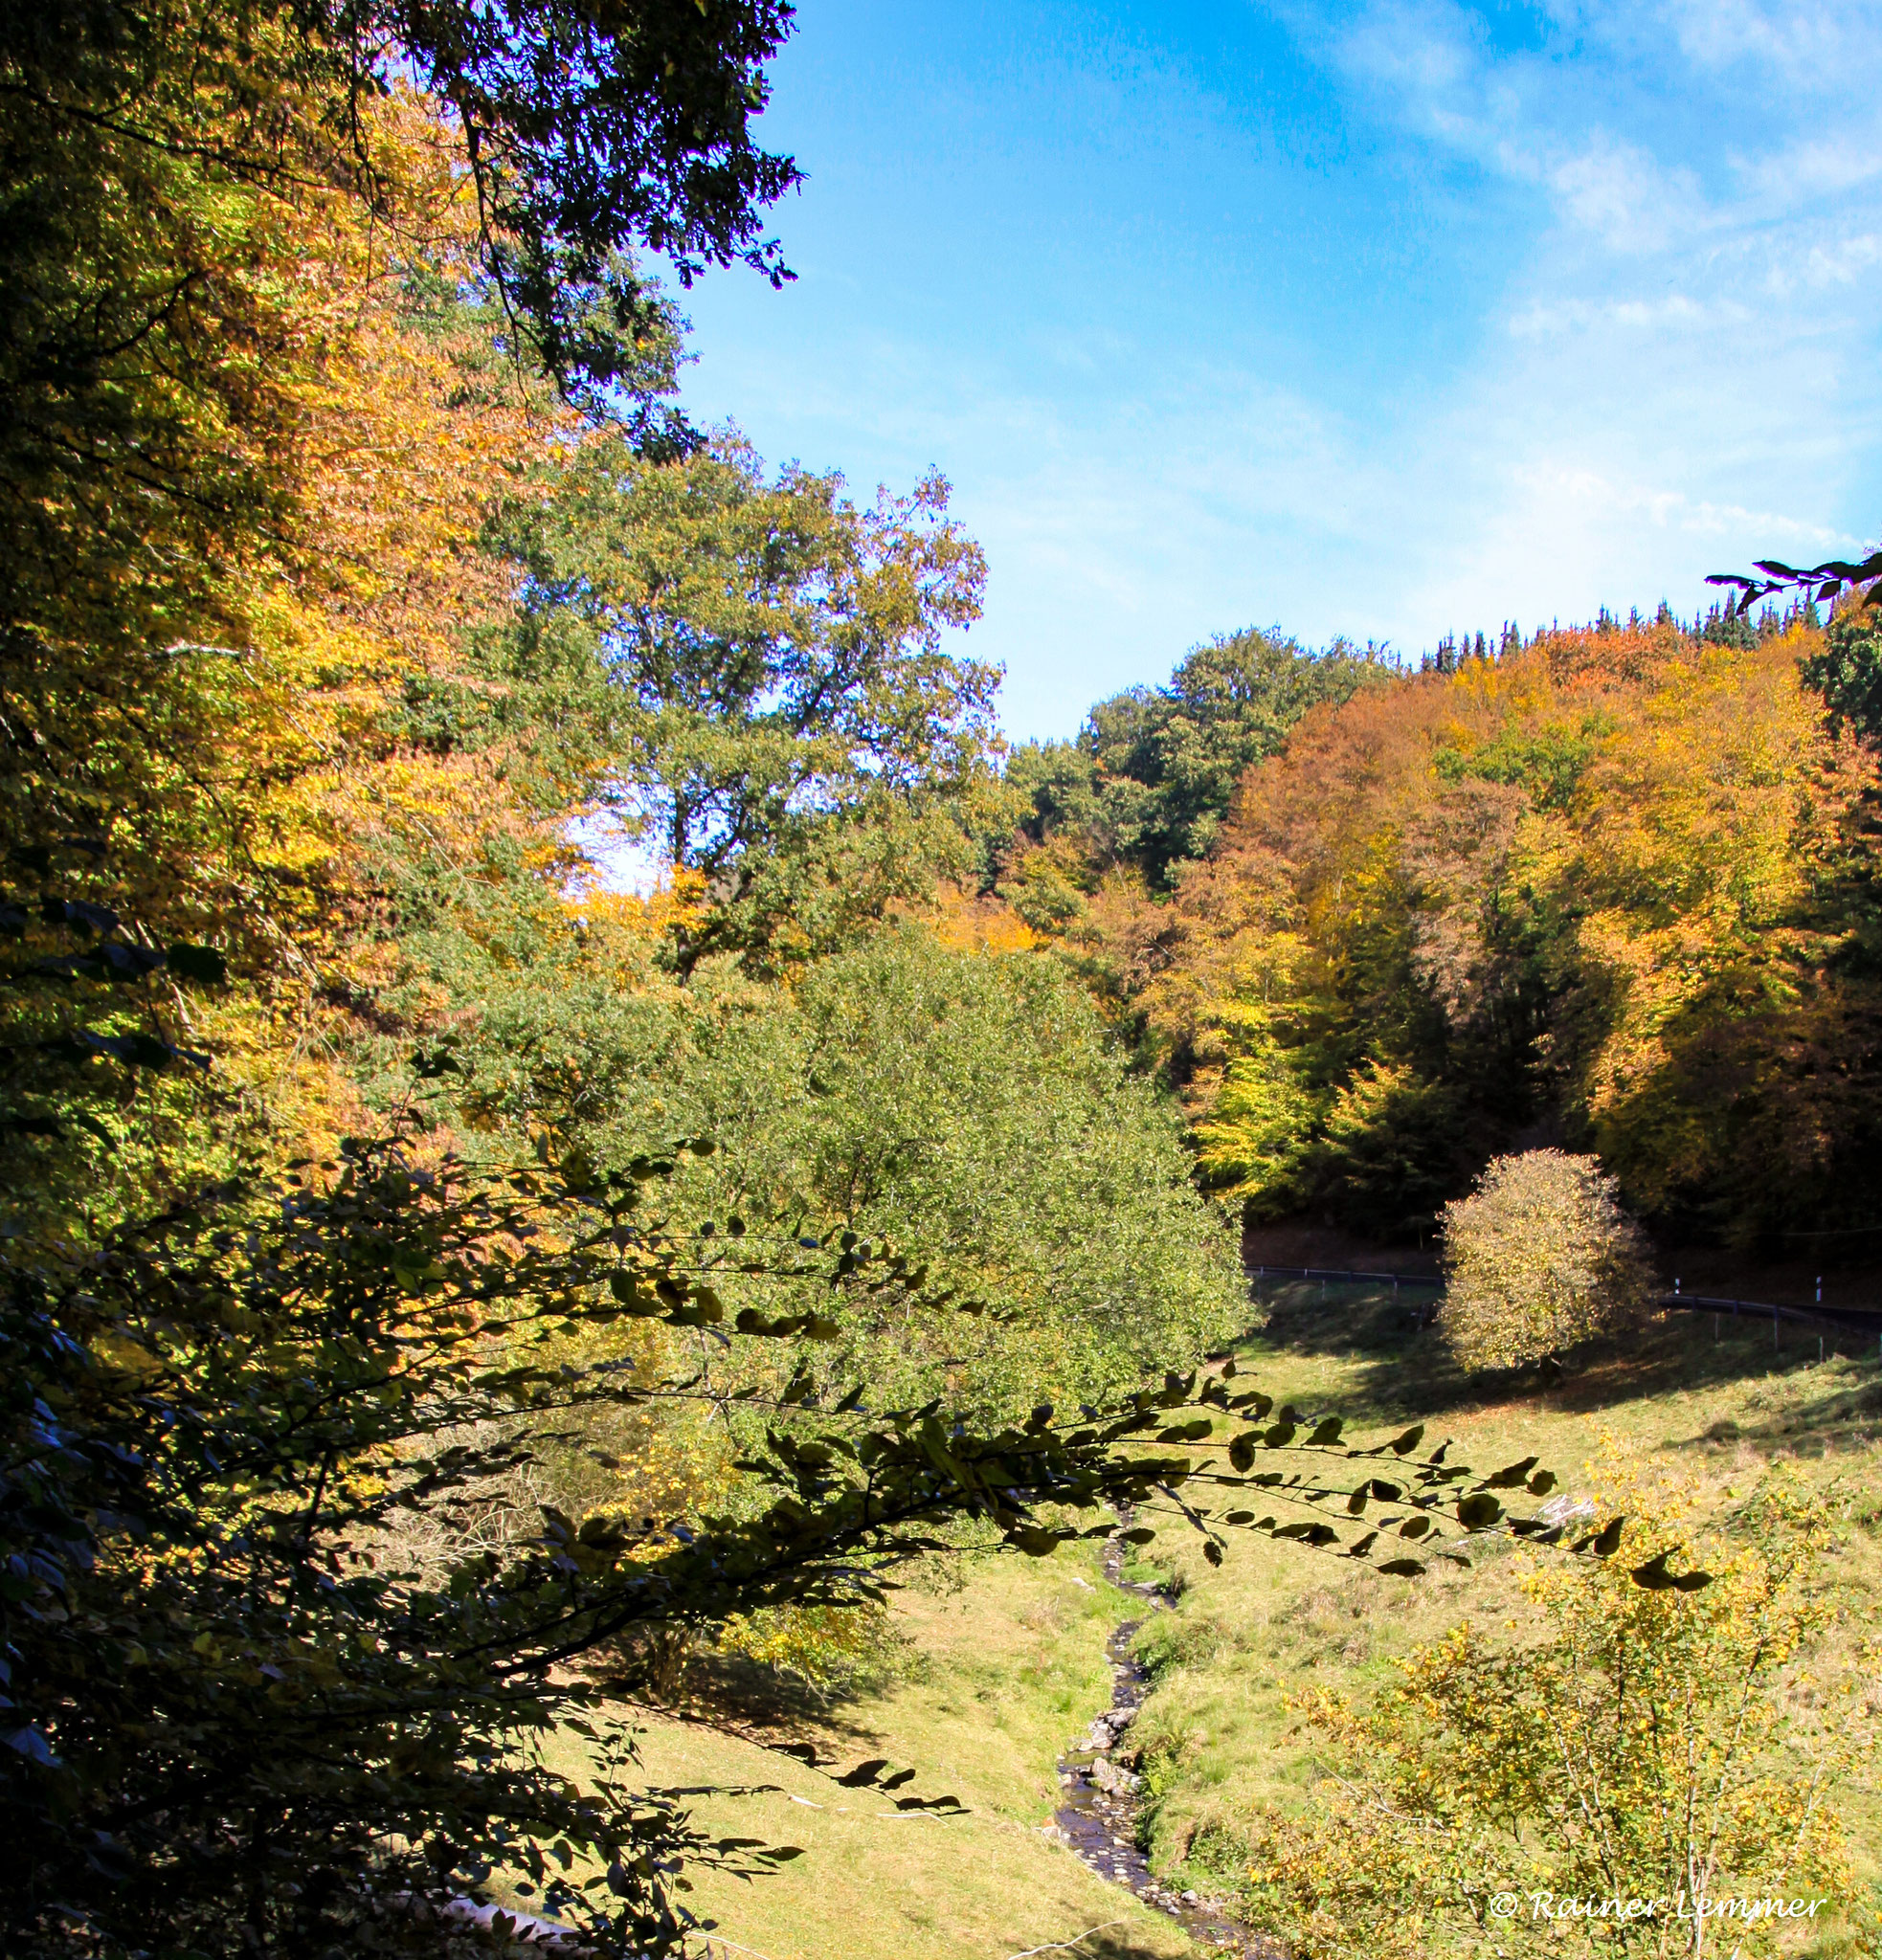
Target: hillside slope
x=1220, y=1740
x=1000, y=1674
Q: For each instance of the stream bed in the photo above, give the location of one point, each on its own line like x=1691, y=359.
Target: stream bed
x=1099, y=1811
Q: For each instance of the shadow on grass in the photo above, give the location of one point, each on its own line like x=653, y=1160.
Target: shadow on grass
x=738, y=1695
x=1845, y=1415
x=1108, y=1943
x=1404, y=1369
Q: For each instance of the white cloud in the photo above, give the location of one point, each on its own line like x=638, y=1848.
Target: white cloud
x=1812, y=167
x=1677, y=375
x=1804, y=44
x=1675, y=312
x=1620, y=192
x=1839, y=264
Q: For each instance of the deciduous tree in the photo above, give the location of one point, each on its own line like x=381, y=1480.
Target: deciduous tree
x=1537, y=1259
x=1648, y=1758
x=786, y=724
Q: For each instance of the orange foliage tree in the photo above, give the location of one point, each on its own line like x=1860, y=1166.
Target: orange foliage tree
x=1611, y=890
x=215, y=761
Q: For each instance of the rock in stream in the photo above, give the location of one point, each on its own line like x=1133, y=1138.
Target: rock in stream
x=1098, y=1816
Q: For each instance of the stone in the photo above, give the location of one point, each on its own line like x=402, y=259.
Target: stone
x=1111, y=1780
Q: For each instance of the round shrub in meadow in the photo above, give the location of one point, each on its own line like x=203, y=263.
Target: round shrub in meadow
x=1539, y=1257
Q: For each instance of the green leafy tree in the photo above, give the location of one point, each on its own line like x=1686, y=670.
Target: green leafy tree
x=1847, y=671
x=767, y=658
x=974, y=1105
x=1154, y=770
x=1255, y=1142
x=977, y=1105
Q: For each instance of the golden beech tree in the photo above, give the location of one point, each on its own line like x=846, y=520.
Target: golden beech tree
x=217, y=768
x=1538, y=1257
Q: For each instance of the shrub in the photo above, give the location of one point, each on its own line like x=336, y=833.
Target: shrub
x=1539, y=1257
x=1649, y=1740
x=827, y=1648
x=971, y=1110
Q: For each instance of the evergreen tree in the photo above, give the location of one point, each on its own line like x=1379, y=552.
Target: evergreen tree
x=1847, y=671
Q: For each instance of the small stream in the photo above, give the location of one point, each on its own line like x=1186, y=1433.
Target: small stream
x=1098, y=1818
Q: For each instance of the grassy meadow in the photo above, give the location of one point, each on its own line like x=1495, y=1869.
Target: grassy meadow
x=996, y=1676
x=1220, y=1736
x=993, y=1680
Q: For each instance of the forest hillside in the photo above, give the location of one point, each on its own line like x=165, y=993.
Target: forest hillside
x=1605, y=888
x=524, y=1400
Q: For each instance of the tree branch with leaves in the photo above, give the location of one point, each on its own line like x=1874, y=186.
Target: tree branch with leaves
x=238, y=1712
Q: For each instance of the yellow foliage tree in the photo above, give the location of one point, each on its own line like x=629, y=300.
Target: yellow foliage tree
x=224, y=768
x=1539, y=1257
x=1650, y=1773
x=1615, y=881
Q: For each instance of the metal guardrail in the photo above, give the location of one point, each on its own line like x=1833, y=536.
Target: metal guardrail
x=1843, y=1320
x=1763, y=1306
x=1343, y=1273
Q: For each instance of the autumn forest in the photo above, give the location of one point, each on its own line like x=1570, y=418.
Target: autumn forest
x=506, y=1363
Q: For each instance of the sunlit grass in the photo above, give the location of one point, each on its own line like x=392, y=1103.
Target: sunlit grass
x=1244, y=1638
x=1003, y=1673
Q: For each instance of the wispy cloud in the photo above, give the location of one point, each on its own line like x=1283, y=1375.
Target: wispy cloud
x=1666, y=366
x=1703, y=293
x=1801, y=47
x=1634, y=206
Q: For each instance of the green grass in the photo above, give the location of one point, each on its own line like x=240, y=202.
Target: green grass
x=1002, y=1675
x=1006, y=1670
x=1241, y=1639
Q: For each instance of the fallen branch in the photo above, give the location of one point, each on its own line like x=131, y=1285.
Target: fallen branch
x=1059, y=1946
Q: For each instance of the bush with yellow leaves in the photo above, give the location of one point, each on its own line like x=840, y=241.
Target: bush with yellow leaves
x=1538, y=1257
x=1657, y=1743
x=824, y=1647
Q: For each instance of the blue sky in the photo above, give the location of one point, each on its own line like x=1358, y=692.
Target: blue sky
x=1378, y=320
